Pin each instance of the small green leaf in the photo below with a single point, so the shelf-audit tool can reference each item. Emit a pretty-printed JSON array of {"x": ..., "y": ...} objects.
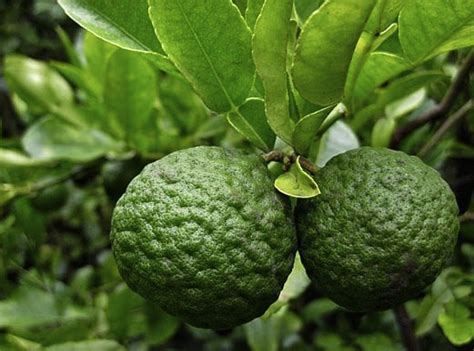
[
  {"x": 52, "y": 139},
  {"x": 456, "y": 324},
  {"x": 297, "y": 183},
  {"x": 270, "y": 45},
  {"x": 337, "y": 140},
  {"x": 325, "y": 49},
  {"x": 83, "y": 79},
  {"x": 307, "y": 127},
  {"x": 129, "y": 95},
  {"x": 220, "y": 67},
  {"x": 125, "y": 23},
  {"x": 250, "y": 120},
  {"x": 429, "y": 28},
  {"x": 42, "y": 88},
  {"x": 382, "y": 132}
]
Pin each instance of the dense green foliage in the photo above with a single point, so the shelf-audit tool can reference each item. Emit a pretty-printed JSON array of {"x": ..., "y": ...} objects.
[{"x": 86, "y": 112}]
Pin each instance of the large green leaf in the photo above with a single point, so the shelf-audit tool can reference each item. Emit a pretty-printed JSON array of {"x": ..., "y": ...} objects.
[
  {"x": 428, "y": 28},
  {"x": 307, "y": 127},
  {"x": 210, "y": 43},
  {"x": 53, "y": 139},
  {"x": 337, "y": 140},
  {"x": 270, "y": 44},
  {"x": 325, "y": 48},
  {"x": 130, "y": 93},
  {"x": 28, "y": 307},
  {"x": 97, "y": 53},
  {"x": 42, "y": 88},
  {"x": 124, "y": 23},
  {"x": 305, "y": 8},
  {"x": 379, "y": 68},
  {"x": 250, "y": 121},
  {"x": 253, "y": 11}
]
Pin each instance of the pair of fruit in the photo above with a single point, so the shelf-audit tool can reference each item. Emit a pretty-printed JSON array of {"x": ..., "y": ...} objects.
[{"x": 204, "y": 233}]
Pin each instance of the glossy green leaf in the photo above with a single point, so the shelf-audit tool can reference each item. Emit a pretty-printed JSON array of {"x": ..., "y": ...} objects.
[
  {"x": 382, "y": 132},
  {"x": 270, "y": 44},
  {"x": 307, "y": 127},
  {"x": 296, "y": 283},
  {"x": 407, "y": 104},
  {"x": 71, "y": 51},
  {"x": 254, "y": 7},
  {"x": 97, "y": 53},
  {"x": 428, "y": 28},
  {"x": 384, "y": 14},
  {"x": 11, "y": 158},
  {"x": 297, "y": 183},
  {"x": 305, "y": 8},
  {"x": 337, "y": 140},
  {"x": 129, "y": 95},
  {"x": 407, "y": 85},
  {"x": 28, "y": 307},
  {"x": 124, "y": 23},
  {"x": 432, "y": 304},
  {"x": 267, "y": 334},
  {"x": 457, "y": 324},
  {"x": 52, "y": 139},
  {"x": 89, "y": 345},
  {"x": 217, "y": 63},
  {"x": 379, "y": 69},
  {"x": 250, "y": 120},
  {"x": 81, "y": 78},
  {"x": 325, "y": 48},
  {"x": 42, "y": 88}
]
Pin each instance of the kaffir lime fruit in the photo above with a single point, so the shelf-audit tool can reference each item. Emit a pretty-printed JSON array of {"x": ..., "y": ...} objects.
[
  {"x": 51, "y": 198},
  {"x": 381, "y": 230},
  {"x": 204, "y": 234}
]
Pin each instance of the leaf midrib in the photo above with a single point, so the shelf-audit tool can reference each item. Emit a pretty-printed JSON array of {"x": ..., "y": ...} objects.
[
  {"x": 119, "y": 27},
  {"x": 206, "y": 56}
]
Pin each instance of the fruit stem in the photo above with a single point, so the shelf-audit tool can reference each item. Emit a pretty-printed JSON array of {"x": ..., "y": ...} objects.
[
  {"x": 406, "y": 328},
  {"x": 278, "y": 156}
]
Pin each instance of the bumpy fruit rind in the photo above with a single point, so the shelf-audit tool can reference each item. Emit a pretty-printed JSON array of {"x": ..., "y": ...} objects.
[
  {"x": 204, "y": 234},
  {"x": 381, "y": 231}
]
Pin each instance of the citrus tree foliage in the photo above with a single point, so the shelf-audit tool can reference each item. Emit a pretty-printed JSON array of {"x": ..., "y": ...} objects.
[{"x": 298, "y": 80}]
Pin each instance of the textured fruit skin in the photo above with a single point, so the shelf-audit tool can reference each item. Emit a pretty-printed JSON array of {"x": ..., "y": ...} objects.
[
  {"x": 381, "y": 230},
  {"x": 204, "y": 234}
]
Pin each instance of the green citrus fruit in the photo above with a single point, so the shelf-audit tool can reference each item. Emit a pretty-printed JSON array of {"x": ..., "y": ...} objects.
[
  {"x": 204, "y": 234},
  {"x": 51, "y": 198},
  {"x": 381, "y": 230}
]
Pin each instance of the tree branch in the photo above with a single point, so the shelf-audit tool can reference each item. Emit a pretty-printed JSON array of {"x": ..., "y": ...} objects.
[
  {"x": 406, "y": 328},
  {"x": 439, "y": 110},
  {"x": 448, "y": 124}
]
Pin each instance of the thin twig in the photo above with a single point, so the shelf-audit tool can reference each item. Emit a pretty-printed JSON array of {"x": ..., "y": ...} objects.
[
  {"x": 406, "y": 328},
  {"x": 447, "y": 125},
  {"x": 466, "y": 217},
  {"x": 278, "y": 156},
  {"x": 439, "y": 110}
]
